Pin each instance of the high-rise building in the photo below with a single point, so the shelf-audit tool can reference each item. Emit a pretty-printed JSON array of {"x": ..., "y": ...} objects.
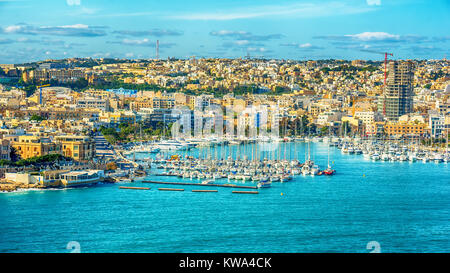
[{"x": 399, "y": 92}]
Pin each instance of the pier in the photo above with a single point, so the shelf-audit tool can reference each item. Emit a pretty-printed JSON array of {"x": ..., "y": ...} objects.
[
  {"x": 134, "y": 188},
  {"x": 198, "y": 184},
  {"x": 170, "y": 189},
  {"x": 246, "y": 192}
]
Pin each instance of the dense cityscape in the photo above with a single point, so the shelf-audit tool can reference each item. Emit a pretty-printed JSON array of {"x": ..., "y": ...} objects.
[{"x": 60, "y": 107}]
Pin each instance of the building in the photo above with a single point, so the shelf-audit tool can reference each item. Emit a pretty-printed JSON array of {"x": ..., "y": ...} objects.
[
  {"x": 329, "y": 116},
  {"x": 29, "y": 146},
  {"x": 398, "y": 94},
  {"x": 123, "y": 92},
  {"x": 53, "y": 66},
  {"x": 5, "y": 149},
  {"x": 375, "y": 129},
  {"x": 60, "y": 75},
  {"x": 203, "y": 101},
  {"x": 78, "y": 147},
  {"x": 155, "y": 115},
  {"x": 117, "y": 118},
  {"x": 437, "y": 125},
  {"x": 404, "y": 128},
  {"x": 368, "y": 117},
  {"x": 93, "y": 103},
  {"x": 141, "y": 103},
  {"x": 163, "y": 102}
]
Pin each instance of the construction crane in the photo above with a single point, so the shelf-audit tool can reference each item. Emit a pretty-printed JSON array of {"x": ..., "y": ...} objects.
[
  {"x": 385, "y": 76},
  {"x": 40, "y": 92},
  {"x": 385, "y": 65},
  {"x": 386, "y": 54}
]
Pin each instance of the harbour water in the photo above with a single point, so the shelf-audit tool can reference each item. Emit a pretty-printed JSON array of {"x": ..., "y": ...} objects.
[{"x": 403, "y": 206}]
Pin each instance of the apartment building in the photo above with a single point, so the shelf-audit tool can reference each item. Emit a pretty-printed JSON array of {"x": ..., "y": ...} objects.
[
  {"x": 79, "y": 148},
  {"x": 29, "y": 146}
]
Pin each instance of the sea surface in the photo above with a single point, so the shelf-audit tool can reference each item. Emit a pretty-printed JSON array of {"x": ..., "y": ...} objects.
[{"x": 398, "y": 206}]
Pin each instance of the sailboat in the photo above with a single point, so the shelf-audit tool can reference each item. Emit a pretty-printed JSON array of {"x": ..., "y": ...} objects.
[
  {"x": 446, "y": 157},
  {"x": 329, "y": 170}
]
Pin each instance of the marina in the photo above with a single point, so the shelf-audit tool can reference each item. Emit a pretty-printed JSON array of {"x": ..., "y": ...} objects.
[{"x": 357, "y": 200}]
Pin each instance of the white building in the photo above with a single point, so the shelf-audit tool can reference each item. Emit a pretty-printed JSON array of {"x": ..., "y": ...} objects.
[
  {"x": 368, "y": 117},
  {"x": 437, "y": 125}
]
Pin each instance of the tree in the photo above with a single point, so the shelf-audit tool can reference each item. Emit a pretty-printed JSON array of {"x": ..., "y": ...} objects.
[
  {"x": 14, "y": 155},
  {"x": 347, "y": 129},
  {"x": 35, "y": 117},
  {"x": 280, "y": 90},
  {"x": 323, "y": 130}
]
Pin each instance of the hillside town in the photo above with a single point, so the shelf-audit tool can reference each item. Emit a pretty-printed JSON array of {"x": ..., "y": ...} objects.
[{"x": 74, "y": 117}]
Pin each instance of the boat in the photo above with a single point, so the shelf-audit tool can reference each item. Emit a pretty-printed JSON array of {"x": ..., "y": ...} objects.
[
  {"x": 345, "y": 149},
  {"x": 171, "y": 145},
  {"x": 264, "y": 183},
  {"x": 438, "y": 158},
  {"x": 329, "y": 171},
  {"x": 306, "y": 169},
  {"x": 375, "y": 156},
  {"x": 314, "y": 170},
  {"x": 351, "y": 150},
  {"x": 385, "y": 157},
  {"x": 275, "y": 178}
]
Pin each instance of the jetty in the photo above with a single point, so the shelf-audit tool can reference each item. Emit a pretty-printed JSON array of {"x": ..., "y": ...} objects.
[
  {"x": 246, "y": 192},
  {"x": 170, "y": 189},
  {"x": 134, "y": 188},
  {"x": 199, "y": 184}
]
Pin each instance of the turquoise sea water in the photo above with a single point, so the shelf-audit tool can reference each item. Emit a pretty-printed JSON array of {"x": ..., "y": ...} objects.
[{"x": 403, "y": 206}]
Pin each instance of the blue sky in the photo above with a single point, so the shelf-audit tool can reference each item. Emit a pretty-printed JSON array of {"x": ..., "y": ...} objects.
[{"x": 33, "y": 30}]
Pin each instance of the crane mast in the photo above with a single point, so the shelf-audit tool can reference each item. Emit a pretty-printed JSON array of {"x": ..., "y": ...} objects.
[{"x": 385, "y": 77}]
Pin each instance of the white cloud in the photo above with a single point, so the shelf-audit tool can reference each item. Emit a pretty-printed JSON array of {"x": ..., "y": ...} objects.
[
  {"x": 12, "y": 29},
  {"x": 373, "y": 2},
  {"x": 305, "y": 45},
  {"x": 66, "y": 30},
  {"x": 73, "y": 2},
  {"x": 257, "y": 49},
  {"x": 244, "y": 35},
  {"x": 135, "y": 42},
  {"x": 76, "y": 26},
  {"x": 373, "y": 36}
]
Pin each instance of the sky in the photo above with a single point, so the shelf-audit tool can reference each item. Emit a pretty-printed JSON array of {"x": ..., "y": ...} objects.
[{"x": 33, "y": 30}]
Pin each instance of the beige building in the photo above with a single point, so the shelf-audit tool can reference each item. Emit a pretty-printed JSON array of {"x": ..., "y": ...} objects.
[
  {"x": 31, "y": 146},
  {"x": 77, "y": 147}
]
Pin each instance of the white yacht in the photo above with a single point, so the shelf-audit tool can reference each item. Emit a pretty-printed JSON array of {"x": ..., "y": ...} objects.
[
  {"x": 306, "y": 169},
  {"x": 171, "y": 145}
]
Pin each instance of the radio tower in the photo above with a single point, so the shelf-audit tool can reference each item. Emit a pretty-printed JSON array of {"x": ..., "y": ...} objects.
[{"x": 157, "y": 49}]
